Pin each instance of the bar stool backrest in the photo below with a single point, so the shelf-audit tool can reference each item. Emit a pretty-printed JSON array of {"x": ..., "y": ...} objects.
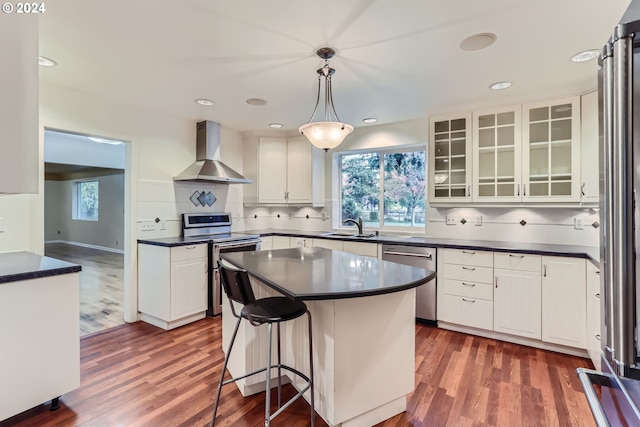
[{"x": 236, "y": 284}]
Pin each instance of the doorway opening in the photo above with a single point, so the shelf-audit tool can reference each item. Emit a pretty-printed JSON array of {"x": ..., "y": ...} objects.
[{"x": 84, "y": 211}]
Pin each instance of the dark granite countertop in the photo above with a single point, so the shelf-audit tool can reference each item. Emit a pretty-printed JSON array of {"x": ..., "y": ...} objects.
[
  {"x": 591, "y": 253},
  {"x": 322, "y": 274},
  {"x": 15, "y": 266}
]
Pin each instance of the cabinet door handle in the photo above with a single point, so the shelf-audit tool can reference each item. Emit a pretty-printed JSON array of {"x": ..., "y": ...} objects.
[
  {"x": 582, "y": 188},
  {"x": 516, "y": 256},
  {"x": 598, "y": 295},
  {"x": 469, "y": 252},
  {"x": 544, "y": 269},
  {"x": 468, "y": 300},
  {"x": 524, "y": 189},
  {"x": 598, "y": 272},
  {"x": 468, "y": 268},
  {"x": 469, "y": 284},
  {"x": 469, "y": 191},
  {"x": 598, "y": 337},
  {"x": 518, "y": 189},
  {"x": 496, "y": 282}
]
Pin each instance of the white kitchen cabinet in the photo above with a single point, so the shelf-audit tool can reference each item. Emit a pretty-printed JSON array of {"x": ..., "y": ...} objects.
[
  {"x": 465, "y": 287},
  {"x": 266, "y": 243},
  {"x": 329, "y": 244},
  {"x": 497, "y": 155},
  {"x": 172, "y": 284},
  {"x": 564, "y": 301},
  {"x": 361, "y": 248},
  {"x": 590, "y": 146},
  {"x": 40, "y": 330},
  {"x": 19, "y": 139},
  {"x": 517, "y": 294},
  {"x": 282, "y": 242},
  {"x": 284, "y": 172},
  {"x": 450, "y": 158},
  {"x": 551, "y": 151},
  {"x": 593, "y": 315}
]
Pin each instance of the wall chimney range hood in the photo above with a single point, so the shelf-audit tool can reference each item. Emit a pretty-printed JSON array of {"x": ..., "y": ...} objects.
[{"x": 208, "y": 167}]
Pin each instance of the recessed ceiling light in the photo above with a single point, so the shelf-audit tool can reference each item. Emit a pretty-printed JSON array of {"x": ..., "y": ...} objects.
[
  {"x": 203, "y": 101},
  {"x": 500, "y": 85},
  {"x": 585, "y": 55},
  {"x": 256, "y": 101},
  {"x": 370, "y": 120},
  {"x": 478, "y": 41},
  {"x": 46, "y": 62},
  {"x": 275, "y": 125}
]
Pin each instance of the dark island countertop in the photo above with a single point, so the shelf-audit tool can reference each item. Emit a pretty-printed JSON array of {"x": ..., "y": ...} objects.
[
  {"x": 323, "y": 274},
  {"x": 15, "y": 266}
]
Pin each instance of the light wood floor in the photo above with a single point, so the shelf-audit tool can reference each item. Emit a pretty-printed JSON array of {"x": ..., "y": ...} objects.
[
  {"x": 140, "y": 375},
  {"x": 101, "y": 285}
]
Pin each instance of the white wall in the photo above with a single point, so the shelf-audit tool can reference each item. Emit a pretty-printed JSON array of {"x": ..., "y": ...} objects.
[{"x": 106, "y": 232}]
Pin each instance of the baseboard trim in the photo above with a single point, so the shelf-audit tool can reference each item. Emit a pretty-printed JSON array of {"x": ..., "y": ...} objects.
[{"x": 86, "y": 245}]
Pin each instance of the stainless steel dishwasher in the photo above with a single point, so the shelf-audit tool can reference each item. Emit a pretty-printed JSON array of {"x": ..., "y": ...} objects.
[{"x": 417, "y": 257}]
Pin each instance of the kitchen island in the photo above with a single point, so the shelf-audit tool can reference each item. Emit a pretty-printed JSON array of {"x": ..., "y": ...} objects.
[{"x": 363, "y": 312}]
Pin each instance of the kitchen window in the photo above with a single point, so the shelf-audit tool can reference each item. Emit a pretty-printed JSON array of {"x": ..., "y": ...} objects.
[
  {"x": 85, "y": 201},
  {"x": 384, "y": 187}
]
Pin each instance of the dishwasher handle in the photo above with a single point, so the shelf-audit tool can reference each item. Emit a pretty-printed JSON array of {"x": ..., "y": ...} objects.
[{"x": 417, "y": 255}]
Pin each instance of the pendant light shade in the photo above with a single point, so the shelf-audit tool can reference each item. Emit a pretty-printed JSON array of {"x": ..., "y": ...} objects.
[{"x": 326, "y": 134}]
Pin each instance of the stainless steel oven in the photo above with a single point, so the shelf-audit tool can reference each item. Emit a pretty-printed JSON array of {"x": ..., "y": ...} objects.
[{"x": 215, "y": 227}]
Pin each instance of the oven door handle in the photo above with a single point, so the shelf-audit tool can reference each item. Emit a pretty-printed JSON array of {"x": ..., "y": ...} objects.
[{"x": 237, "y": 244}]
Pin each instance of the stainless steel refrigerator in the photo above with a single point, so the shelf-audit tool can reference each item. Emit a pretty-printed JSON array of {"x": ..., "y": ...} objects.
[{"x": 614, "y": 393}]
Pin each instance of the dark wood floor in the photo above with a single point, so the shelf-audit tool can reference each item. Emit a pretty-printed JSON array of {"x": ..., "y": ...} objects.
[
  {"x": 140, "y": 375},
  {"x": 101, "y": 285}
]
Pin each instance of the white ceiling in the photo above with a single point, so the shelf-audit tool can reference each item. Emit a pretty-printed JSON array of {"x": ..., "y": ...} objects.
[{"x": 396, "y": 59}]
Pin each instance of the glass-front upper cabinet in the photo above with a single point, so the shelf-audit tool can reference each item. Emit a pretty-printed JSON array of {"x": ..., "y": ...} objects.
[
  {"x": 496, "y": 155},
  {"x": 551, "y": 158},
  {"x": 450, "y": 158}
]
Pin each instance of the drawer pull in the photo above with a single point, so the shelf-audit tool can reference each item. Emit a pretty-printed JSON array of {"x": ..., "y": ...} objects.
[
  {"x": 469, "y": 252},
  {"x": 468, "y": 300},
  {"x": 598, "y": 295},
  {"x": 598, "y": 337},
  {"x": 468, "y": 268},
  {"x": 516, "y": 256},
  {"x": 496, "y": 282},
  {"x": 190, "y": 247},
  {"x": 468, "y": 284},
  {"x": 598, "y": 272}
]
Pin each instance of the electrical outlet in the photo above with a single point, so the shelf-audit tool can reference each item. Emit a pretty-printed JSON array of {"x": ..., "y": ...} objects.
[
  {"x": 162, "y": 225},
  {"x": 577, "y": 223},
  {"x": 478, "y": 220},
  {"x": 147, "y": 226},
  {"x": 451, "y": 220}
]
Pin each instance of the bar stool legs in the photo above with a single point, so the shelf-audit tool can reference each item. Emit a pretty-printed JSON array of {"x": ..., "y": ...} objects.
[{"x": 268, "y": 416}]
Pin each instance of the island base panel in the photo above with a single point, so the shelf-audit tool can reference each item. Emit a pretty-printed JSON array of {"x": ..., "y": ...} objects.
[{"x": 364, "y": 354}]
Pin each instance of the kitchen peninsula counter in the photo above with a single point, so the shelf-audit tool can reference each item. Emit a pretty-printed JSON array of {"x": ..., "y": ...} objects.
[
  {"x": 363, "y": 312},
  {"x": 21, "y": 265}
]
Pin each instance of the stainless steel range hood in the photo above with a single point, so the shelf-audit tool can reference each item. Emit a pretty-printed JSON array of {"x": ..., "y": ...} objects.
[{"x": 208, "y": 167}]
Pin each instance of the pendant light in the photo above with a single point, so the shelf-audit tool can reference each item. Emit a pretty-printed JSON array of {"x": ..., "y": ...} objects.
[{"x": 327, "y": 134}]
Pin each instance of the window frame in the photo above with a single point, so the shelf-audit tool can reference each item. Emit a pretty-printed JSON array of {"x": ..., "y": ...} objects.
[
  {"x": 337, "y": 187},
  {"x": 75, "y": 200}
]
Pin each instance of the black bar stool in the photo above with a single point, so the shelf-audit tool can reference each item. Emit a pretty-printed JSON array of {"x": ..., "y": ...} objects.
[{"x": 270, "y": 310}]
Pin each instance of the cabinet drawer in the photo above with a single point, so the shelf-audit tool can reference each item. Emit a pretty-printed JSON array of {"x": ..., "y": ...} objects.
[
  {"x": 468, "y": 273},
  {"x": 468, "y": 289},
  {"x": 183, "y": 253},
  {"x": 522, "y": 262},
  {"x": 468, "y": 257},
  {"x": 473, "y": 312}
]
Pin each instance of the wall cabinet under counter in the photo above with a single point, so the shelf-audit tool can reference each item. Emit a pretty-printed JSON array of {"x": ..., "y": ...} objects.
[
  {"x": 172, "y": 284},
  {"x": 285, "y": 171},
  {"x": 524, "y": 298}
]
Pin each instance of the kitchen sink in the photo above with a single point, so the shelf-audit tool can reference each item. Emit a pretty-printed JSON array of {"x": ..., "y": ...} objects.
[{"x": 342, "y": 234}]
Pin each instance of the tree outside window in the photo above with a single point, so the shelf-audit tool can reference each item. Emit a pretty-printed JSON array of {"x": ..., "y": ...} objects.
[
  {"x": 87, "y": 200},
  {"x": 396, "y": 200}
]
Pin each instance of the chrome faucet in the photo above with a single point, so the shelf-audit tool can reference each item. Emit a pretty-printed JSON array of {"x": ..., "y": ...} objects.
[{"x": 358, "y": 223}]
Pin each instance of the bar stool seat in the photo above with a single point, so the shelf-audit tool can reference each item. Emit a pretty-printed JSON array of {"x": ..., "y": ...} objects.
[{"x": 269, "y": 311}]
